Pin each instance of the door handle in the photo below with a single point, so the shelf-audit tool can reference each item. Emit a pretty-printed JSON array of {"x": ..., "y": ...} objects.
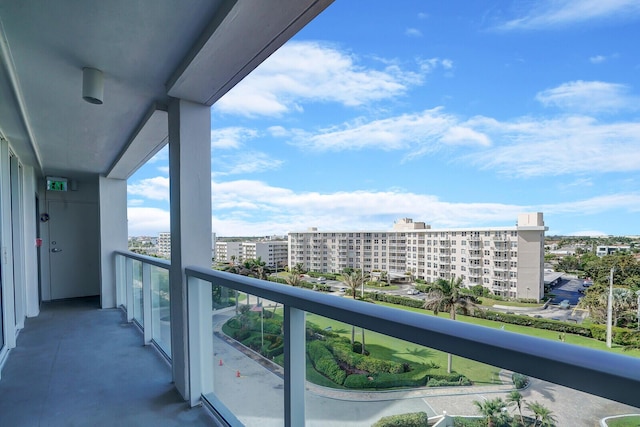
[{"x": 56, "y": 250}]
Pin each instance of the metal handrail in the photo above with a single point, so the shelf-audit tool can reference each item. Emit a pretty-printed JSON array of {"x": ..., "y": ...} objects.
[{"x": 601, "y": 373}]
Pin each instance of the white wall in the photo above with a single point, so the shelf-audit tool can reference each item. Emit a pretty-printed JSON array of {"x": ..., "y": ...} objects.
[{"x": 113, "y": 234}]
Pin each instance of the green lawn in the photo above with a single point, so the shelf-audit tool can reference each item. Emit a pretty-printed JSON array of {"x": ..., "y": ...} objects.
[
  {"x": 389, "y": 348},
  {"x": 631, "y": 421},
  {"x": 527, "y": 330}
]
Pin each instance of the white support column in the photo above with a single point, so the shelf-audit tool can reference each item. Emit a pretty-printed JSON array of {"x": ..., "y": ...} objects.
[
  {"x": 30, "y": 249},
  {"x": 113, "y": 234},
  {"x": 190, "y": 193},
  {"x": 200, "y": 339},
  {"x": 6, "y": 249},
  {"x": 294, "y": 366},
  {"x": 146, "y": 303},
  {"x": 128, "y": 283}
]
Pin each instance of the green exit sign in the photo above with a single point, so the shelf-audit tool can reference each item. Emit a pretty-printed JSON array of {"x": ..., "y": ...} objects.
[{"x": 56, "y": 183}]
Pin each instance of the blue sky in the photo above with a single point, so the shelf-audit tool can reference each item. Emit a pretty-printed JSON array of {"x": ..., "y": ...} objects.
[{"x": 455, "y": 113}]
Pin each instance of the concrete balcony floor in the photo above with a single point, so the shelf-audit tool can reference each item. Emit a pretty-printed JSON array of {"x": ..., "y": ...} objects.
[{"x": 78, "y": 365}]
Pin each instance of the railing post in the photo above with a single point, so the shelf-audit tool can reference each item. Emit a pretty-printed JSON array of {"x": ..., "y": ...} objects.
[
  {"x": 294, "y": 366},
  {"x": 128, "y": 283},
  {"x": 200, "y": 342},
  {"x": 121, "y": 298},
  {"x": 146, "y": 303}
]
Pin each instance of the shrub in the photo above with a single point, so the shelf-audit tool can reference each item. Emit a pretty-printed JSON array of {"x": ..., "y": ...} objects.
[
  {"x": 384, "y": 380},
  {"x": 453, "y": 379},
  {"x": 241, "y": 334},
  {"x": 323, "y": 362},
  {"x": 234, "y": 323},
  {"x": 519, "y": 380},
  {"x": 329, "y": 368},
  {"x": 414, "y": 419}
]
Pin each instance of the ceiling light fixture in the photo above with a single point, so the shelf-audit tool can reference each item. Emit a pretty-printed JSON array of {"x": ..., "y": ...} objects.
[{"x": 92, "y": 85}]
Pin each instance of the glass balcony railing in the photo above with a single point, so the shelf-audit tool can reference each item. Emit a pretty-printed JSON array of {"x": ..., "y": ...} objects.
[
  {"x": 265, "y": 354},
  {"x": 142, "y": 288}
]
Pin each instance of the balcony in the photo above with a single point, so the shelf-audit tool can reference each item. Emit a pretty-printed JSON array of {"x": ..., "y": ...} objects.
[
  {"x": 165, "y": 358},
  {"x": 215, "y": 379},
  {"x": 77, "y": 365}
]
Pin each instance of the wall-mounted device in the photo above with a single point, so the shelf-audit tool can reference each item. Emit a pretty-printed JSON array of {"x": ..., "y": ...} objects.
[{"x": 55, "y": 183}]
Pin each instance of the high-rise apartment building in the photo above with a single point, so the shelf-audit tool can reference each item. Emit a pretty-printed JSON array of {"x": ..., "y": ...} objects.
[
  {"x": 164, "y": 244},
  {"x": 273, "y": 252},
  {"x": 509, "y": 261}
]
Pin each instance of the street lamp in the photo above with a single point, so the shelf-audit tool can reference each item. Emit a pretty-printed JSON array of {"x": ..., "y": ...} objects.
[{"x": 610, "y": 307}]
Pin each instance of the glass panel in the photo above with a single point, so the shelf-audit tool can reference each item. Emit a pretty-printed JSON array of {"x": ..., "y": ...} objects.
[
  {"x": 248, "y": 357},
  {"x": 384, "y": 378},
  {"x": 160, "y": 313},
  {"x": 396, "y": 377},
  {"x": 137, "y": 292}
]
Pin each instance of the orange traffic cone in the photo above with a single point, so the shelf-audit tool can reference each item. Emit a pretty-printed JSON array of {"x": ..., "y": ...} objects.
[
  {"x": 220, "y": 364},
  {"x": 238, "y": 374}
]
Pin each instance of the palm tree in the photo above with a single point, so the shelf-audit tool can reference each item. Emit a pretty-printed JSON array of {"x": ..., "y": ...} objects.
[
  {"x": 293, "y": 279},
  {"x": 490, "y": 408},
  {"x": 515, "y": 399},
  {"x": 354, "y": 280},
  {"x": 448, "y": 296},
  {"x": 541, "y": 413}
]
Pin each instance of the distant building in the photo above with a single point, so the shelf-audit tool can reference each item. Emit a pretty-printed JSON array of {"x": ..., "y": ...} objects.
[
  {"x": 273, "y": 252},
  {"x": 506, "y": 260},
  {"x": 608, "y": 250},
  {"x": 164, "y": 244}
]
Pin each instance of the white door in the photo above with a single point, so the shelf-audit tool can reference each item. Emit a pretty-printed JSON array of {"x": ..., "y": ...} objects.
[{"x": 73, "y": 249}]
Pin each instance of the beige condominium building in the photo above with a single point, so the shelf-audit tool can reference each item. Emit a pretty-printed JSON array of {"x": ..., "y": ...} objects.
[
  {"x": 273, "y": 252},
  {"x": 509, "y": 260}
]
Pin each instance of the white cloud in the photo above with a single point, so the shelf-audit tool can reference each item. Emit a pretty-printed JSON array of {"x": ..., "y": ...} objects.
[
  {"x": 160, "y": 156},
  {"x": 147, "y": 221},
  {"x": 429, "y": 64},
  {"x": 588, "y": 96},
  {"x": 588, "y": 233},
  {"x": 244, "y": 162},
  {"x": 459, "y": 135},
  {"x": 156, "y": 188},
  {"x": 250, "y": 207},
  {"x": 557, "y": 13},
  {"x": 313, "y": 71},
  {"x": 231, "y": 137},
  {"x": 135, "y": 202},
  {"x": 277, "y": 210},
  {"x": 413, "y": 32},
  {"x": 598, "y": 59},
  {"x": 573, "y": 144},
  {"x": 419, "y": 133}
]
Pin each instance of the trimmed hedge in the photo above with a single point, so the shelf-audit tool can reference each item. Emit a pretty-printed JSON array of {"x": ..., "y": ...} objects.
[
  {"x": 440, "y": 380},
  {"x": 343, "y": 353},
  {"x": 395, "y": 299},
  {"x": 323, "y": 362},
  {"x": 415, "y": 378},
  {"x": 414, "y": 419}
]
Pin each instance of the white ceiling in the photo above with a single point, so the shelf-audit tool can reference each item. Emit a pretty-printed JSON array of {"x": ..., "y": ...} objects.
[{"x": 148, "y": 50}]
